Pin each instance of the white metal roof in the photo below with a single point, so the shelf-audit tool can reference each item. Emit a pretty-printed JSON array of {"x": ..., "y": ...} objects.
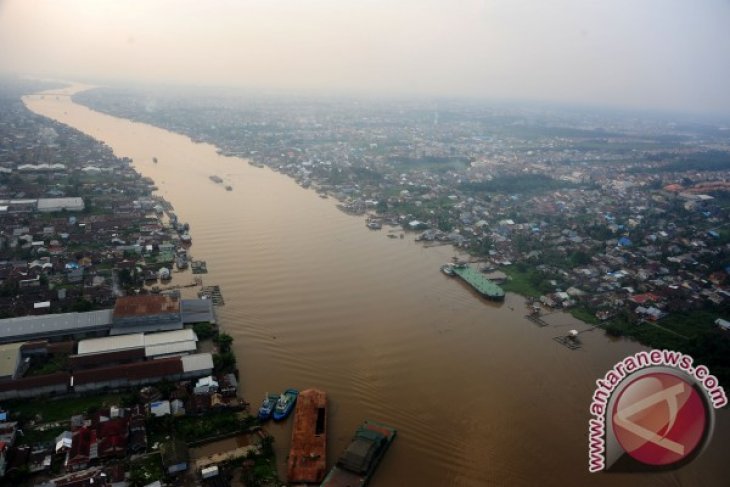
[
  {"x": 110, "y": 344},
  {"x": 154, "y": 343},
  {"x": 186, "y": 334},
  {"x": 197, "y": 362},
  {"x": 170, "y": 348}
]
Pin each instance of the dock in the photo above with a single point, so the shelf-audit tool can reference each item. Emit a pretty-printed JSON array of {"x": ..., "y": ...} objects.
[
  {"x": 199, "y": 267},
  {"x": 537, "y": 320},
  {"x": 213, "y": 293},
  {"x": 568, "y": 341}
]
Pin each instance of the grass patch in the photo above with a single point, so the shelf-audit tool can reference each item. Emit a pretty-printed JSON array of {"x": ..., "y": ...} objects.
[
  {"x": 61, "y": 409},
  {"x": 146, "y": 470},
  {"x": 524, "y": 282},
  {"x": 194, "y": 428},
  {"x": 584, "y": 314}
]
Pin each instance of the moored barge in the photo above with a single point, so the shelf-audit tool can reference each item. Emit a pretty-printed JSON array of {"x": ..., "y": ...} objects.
[
  {"x": 477, "y": 281},
  {"x": 357, "y": 464},
  {"x": 308, "y": 454}
]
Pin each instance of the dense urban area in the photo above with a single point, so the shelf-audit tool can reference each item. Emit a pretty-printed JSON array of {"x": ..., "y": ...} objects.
[
  {"x": 622, "y": 219},
  {"x": 144, "y": 382}
]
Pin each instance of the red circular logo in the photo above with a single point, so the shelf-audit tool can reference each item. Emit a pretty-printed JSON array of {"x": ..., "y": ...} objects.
[{"x": 659, "y": 418}]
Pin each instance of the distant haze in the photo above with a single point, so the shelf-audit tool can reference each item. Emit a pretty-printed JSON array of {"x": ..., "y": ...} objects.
[{"x": 659, "y": 54}]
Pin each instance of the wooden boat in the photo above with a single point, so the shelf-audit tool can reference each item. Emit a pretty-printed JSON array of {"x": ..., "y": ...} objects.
[
  {"x": 267, "y": 407},
  {"x": 357, "y": 464},
  {"x": 308, "y": 454},
  {"x": 285, "y": 404}
]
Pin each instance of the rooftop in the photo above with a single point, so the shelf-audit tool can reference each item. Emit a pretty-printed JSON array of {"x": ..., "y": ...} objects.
[
  {"x": 24, "y": 327},
  {"x": 128, "y": 306}
]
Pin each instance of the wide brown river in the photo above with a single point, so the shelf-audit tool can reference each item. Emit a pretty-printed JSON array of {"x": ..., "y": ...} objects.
[{"x": 480, "y": 396}]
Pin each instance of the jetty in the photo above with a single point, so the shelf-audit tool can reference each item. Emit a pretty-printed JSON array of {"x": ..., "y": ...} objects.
[
  {"x": 213, "y": 293},
  {"x": 199, "y": 267}
]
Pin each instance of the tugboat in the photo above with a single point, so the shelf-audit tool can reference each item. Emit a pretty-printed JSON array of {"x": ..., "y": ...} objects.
[
  {"x": 285, "y": 404},
  {"x": 267, "y": 406},
  {"x": 357, "y": 464}
]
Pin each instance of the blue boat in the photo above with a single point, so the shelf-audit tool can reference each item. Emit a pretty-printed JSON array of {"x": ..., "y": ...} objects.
[
  {"x": 267, "y": 407},
  {"x": 285, "y": 404}
]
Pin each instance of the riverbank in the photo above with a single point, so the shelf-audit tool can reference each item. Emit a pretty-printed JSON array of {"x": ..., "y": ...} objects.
[{"x": 313, "y": 298}]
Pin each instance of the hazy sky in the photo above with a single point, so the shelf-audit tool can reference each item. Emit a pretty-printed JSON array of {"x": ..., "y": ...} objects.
[{"x": 668, "y": 54}]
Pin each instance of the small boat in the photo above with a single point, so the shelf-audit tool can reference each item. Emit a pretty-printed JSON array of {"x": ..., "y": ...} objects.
[
  {"x": 285, "y": 404},
  {"x": 307, "y": 462},
  {"x": 448, "y": 269},
  {"x": 357, "y": 464},
  {"x": 215, "y": 179},
  {"x": 229, "y": 188},
  {"x": 267, "y": 406},
  {"x": 186, "y": 238},
  {"x": 154, "y": 159}
]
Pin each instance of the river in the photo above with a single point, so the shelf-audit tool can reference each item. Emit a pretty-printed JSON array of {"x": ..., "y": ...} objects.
[{"x": 480, "y": 396}]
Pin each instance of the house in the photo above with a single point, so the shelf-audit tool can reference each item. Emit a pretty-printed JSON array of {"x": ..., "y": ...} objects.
[
  {"x": 723, "y": 324},
  {"x": 175, "y": 456}
]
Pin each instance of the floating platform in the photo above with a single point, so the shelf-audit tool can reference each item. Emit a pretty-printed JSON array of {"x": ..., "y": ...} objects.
[
  {"x": 213, "y": 293},
  {"x": 537, "y": 320},
  {"x": 568, "y": 341},
  {"x": 479, "y": 282},
  {"x": 199, "y": 267}
]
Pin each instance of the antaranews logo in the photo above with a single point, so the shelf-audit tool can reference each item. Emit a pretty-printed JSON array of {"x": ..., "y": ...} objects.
[{"x": 653, "y": 410}]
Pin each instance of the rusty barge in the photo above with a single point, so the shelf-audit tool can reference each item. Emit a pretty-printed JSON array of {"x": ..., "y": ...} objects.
[{"x": 307, "y": 462}]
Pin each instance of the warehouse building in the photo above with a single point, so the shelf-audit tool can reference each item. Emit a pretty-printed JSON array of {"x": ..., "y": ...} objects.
[
  {"x": 153, "y": 344},
  {"x": 62, "y": 326},
  {"x": 144, "y": 314},
  {"x": 49, "y": 205},
  {"x": 141, "y": 373}
]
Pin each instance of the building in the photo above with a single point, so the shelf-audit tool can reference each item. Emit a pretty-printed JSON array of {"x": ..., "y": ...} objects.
[
  {"x": 10, "y": 360},
  {"x": 49, "y": 205},
  {"x": 142, "y": 373},
  {"x": 154, "y": 344},
  {"x": 62, "y": 326},
  {"x": 149, "y": 313}
]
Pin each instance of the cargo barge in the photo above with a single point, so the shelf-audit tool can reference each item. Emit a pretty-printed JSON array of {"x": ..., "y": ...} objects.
[
  {"x": 307, "y": 463},
  {"x": 357, "y": 464},
  {"x": 476, "y": 280}
]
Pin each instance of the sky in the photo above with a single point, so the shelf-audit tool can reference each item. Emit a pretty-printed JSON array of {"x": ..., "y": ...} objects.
[{"x": 655, "y": 54}]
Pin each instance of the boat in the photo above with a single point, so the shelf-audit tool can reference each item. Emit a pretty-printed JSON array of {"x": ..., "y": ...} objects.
[
  {"x": 267, "y": 406},
  {"x": 285, "y": 404},
  {"x": 307, "y": 461},
  {"x": 216, "y": 179},
  {"x": 154, "y": 159},
  {"x": 357, "y": 464},
  {"x": 186, "y": 238},
  {"x": 478, "y": 282},
  {"x": 229, "y": 188}
]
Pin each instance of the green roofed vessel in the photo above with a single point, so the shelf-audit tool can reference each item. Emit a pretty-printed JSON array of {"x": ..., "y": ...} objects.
[
  {"x": 358, "y": 463},
  {"x": 476, "y": 280}
]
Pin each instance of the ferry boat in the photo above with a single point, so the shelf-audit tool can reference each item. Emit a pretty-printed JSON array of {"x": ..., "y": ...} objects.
[
  {"x": 357, "y": 464},
  {"x": 307, "y": 461},
  {"x": 267, "y": 407},
  {"x": 285, "y": 404}
]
